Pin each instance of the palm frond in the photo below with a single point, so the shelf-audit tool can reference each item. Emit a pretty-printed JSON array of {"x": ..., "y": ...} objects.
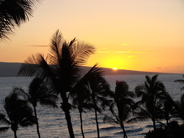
[
  {"x": 48, "y": 102},
  {"x": 55, "y": 52},
  {"x": 180, "y": 81},
  {"x": 82, "y": 51},
  {"x": 110, "y": 120},
  {"x": 13, "y": 13},
  {"x": 136, "y": 119},
  {"x": 154, "y": 78},
  {"x": 4, "y": 129},
  {"x": 35, "y": 66},
  {"x": 3, "y": 119}
]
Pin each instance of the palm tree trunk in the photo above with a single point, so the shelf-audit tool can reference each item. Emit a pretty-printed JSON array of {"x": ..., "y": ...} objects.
[
  {"x": 154, "y": 124},
  {"x": 96, "y": 118},
  {"x": 37, "y": 126},
  {"x": 15, "y": 134},
  {"x": 69, "y": 123},
  {"x": 66, "y": 108},
  {"x": 124, "y": 132},
  {"x": 167, "y": 122},
  {"x": 81, "y": 124}
]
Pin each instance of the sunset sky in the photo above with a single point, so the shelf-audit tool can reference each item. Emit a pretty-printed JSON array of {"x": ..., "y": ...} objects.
[{"x": 143, "y": 35}]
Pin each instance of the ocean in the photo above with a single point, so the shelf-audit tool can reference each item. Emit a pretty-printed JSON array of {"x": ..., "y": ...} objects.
[{"x": 52, "y": 121}]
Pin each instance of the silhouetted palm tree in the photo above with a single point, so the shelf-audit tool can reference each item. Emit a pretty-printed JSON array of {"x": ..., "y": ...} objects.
[
  {"x": 180, "y": 81},
  {"x": 152, "y": 94},
  {"x": 124, "y": 105},
  {"x": 169, "y": 108},
  {"x": 82, "y": 102},
  {"x": 179, "y": 106},
  {"x": 81, "y": 95},
  {"x": 60, "y": 69},
  {"x": 19, "y": 112},
  {"x": 99, "y": 91},
  {"x": 39, "y": 92}
]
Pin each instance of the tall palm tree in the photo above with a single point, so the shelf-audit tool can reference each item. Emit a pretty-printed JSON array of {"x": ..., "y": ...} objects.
[
  {"x": 13, "y": 13},
  {"x": 82, "y": 102},
  {"x": 60, "y": 69},
  {"x": 124, "y": 105},
  {"x": 81, "y": 95},
  {"x": 99, "y": 91},
  {"x": 39, "y": 92},
  {"x": 152, "y": 94},
  {"x": 19, "y": 112}
]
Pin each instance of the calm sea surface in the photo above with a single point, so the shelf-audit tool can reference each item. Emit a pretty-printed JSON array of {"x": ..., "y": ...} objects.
[{"x": 52, "y": 121}]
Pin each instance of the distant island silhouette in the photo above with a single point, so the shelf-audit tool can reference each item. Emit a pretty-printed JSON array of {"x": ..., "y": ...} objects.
[{"x": 8, "y": 69}]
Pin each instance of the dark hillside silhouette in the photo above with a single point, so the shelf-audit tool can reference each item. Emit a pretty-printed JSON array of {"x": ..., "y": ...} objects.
[{"x": 11, "y": 70}]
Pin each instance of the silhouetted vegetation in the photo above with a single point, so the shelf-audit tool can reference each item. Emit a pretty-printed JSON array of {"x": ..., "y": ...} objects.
[
  {"x": 18, "y": 111},
  {"x": 81, "y": 93},
  {"x": 123, "y": 99},
  {"x": 38, "y": 92},
  {"x": 173, "y": 130},
  {"x": 152, "y": 95},
  {"x": 99, "y": 91},
  {"x": 60, "y": 69},
  {"x": 13, "y": 13}
]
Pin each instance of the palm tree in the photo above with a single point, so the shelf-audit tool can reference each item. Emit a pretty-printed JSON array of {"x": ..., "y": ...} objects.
[
  {"x": 169, "y": 108},
  {"x": 13, "y": 13},
  {"x": 99, "y": 91},
  {"x": 179, "y": 106},
  {"x": 180, "y": 81},
  {"x": 124, "y": 105},
  {"x": 152, "y": 94},
  {"x": 19, "y": 112},
  {"x": 39, "y": 92},
  {"x": 81, "y": 101},
  {"x": 60, "y": 69},
  {"x": 81, "y": 94}
]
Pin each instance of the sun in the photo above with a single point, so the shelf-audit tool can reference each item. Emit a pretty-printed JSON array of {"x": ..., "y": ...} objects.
[{"x": 114, "y": 68}]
